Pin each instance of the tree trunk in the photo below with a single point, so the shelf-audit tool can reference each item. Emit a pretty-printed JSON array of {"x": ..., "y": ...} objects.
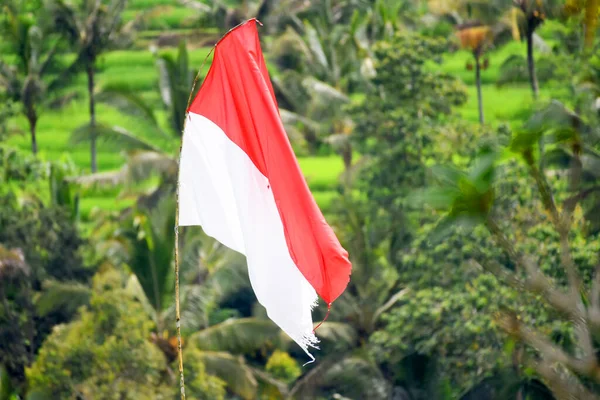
[
  {"x": 478, "y": 84},
  {"x": 32, "y": 129},
  {"x": 531, "y": 65},
  {"x": 347, "y": 158},
  {"x": 91, "y": 85}
]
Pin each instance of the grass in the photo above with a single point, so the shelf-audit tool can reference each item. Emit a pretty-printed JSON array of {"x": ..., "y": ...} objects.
[
  {"x": 165, "y": 17},
  {"x": 508, "y": 104}
]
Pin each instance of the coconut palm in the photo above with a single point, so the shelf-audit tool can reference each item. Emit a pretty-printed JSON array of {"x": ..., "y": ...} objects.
[
  {"x": 313, "y": 96},
  {"x": 323, "y": 62},
  {"x": 27, "y": 80},
  {"x": 476, "y": 38},
  {"x": 590, "y": 11},
  {"x": 480, "y": 25},
  {"x": 521, "y": 17},
  {"x": 91, "y": 27},
  {"x": 325, "y": 59},
  {"x": 226, "y": 14},
  {"x": 373, "y": 289},
  {"x": 211, "y": 274},
  {"x": 532, "y": 15},
  {"x": 144, "y": 157}
]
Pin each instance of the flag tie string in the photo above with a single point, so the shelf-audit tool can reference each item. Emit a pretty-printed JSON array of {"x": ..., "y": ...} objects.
[{"x": 324, "y": 319}]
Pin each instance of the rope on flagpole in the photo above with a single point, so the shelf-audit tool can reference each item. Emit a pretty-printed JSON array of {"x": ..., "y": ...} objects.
[{"x": 177, "y": 304}]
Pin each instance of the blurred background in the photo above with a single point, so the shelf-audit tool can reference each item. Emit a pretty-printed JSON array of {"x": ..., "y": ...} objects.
[{"x": 453, "y": 145}]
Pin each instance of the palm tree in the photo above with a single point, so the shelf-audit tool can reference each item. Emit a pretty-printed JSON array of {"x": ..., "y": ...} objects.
[
  {"x": 590, "y": 13},
  {"x": 476, "y": 38},
  {"x": 325, "y": 59},
  {"x": 227, "y": 14},
  {"x": 35, "y": 49},
  {"x": 211, "y": 274},
  {"x": 323, "y": 62},
  {"x": 532, "y": 16},
  {"x": 373, "y": 289},
  {"x": 312, "y": 97},
  {"x": 144, "y": 157},
  {"x": 92, "y": 27},
  {"x": 224, "y": 15},
  {"x": 521, "y": 17}
]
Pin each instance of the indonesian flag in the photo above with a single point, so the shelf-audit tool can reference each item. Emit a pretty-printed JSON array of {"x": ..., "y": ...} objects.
[{"x": 240, "y": 181}]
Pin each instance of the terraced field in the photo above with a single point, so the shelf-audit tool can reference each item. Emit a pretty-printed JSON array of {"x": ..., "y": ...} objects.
[{"x": 135, "y": 69}]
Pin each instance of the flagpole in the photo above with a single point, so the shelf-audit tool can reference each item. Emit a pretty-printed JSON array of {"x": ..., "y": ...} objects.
[{"x": 177, "y": 303}]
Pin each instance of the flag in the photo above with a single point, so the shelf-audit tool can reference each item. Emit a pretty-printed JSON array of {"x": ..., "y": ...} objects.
[{"x": 239, "y": 179}]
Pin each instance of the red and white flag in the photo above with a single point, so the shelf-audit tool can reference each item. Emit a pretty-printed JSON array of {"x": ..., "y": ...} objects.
[{"x": 240, "y": 181}]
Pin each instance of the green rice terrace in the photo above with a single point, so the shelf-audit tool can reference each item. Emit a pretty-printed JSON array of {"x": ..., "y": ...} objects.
[{"x": 136, "y": 70}]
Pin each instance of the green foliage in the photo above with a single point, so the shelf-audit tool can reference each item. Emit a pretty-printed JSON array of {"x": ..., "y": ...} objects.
[
  {"x": 283, "y": 367},
  {"x": 26, "y": 81},
  {"x": 396, "y": 122},
  {"x": 6, "y": 113},
  {"x": 198, "y": 384},
  {"x": 514, "y": 70},
  {"x": 16, "y": 166},
  {"x": 450, "y": 304},
  {"x": 542, "y": 243},
  {"x": 50, "y": 249},
  {"x": 16, "y": 314},
  {"x": 151, "y": 248},
  {"x": 47, "y": 236},
  {"x": 104, "y": 354},
  {"x": 419, "y": 319}
]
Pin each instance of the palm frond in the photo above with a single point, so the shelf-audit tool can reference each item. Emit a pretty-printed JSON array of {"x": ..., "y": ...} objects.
[
  {"x": 151, "y": 253},
  {"x": 166, "y": 68},
  {"x": 316, "y": 46},
  {"x": 351, "y": 375},
  {"x": 323, "y": 90},
  {"x": 390, "y": 303},
  {"x": 140, "y": 166},
  {"x": 338, "y": 140},
  {"x": 143, "y": 164},
  {"x": 292, "y": 118},
  {"x": 242, "y": 335},
  {"x": 67, "y": 75},
  {"x": 195, "y": 5},
  {"x": 338, "y": 332},
  {"x": 115, "y": 134},
  {"x": 137, "y": 291},
  {"x": 312, "y": 381},
  {"x": 57, "y": 102},
  {"x": 175, "y": 82},
  {"x": 206, "y": 261},
  {"x": 64, "y": 296},
  {"x": 197, "y": 302},
  {"x": 130, "y": 103},
  {"x": 513, "y": 69},
  {"x": 107, "y": 178},
  {"x": 233, "y": 370},
  {"x": 268, "y": 380},
  {"x": 357, "y": 376}
]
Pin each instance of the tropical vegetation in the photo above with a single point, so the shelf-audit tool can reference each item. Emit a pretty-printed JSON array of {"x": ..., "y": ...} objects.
[{"x": 453, "y": 145}]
